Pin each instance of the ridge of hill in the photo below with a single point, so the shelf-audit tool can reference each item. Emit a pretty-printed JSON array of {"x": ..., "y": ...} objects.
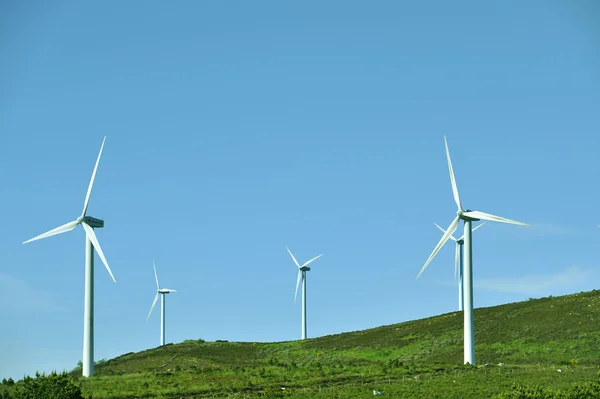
[
  {"x": 550, "y": 330},
  {"x": 552, "y": 342}
]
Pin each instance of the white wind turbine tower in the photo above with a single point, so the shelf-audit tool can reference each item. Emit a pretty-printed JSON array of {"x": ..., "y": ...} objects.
[
  {"x": 468, "y": 217},
  {"x": 302, "y": 276},
  {"x": 89, "y": 224},
  {"x": 163, "y": 292},
  {"x": 458, "y": 264}
]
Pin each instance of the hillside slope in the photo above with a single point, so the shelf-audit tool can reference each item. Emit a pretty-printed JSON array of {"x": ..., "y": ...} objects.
[{"x": 545, "y": 333}]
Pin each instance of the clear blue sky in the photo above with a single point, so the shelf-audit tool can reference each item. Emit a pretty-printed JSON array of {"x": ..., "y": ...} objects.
[{"x": 236, "y": 128}]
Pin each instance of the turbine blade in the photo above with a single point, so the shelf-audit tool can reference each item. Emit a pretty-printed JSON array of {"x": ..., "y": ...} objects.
[
  {"x": 155, "y": 275},
  {"x": 89, "y": 191},
  {"x": 297, "y": 284},
  {"x": 59, "y": 230},
  {"x": 440, "y": 244},
  {"x": 169, "y": 290},
  {"x": 152, "y": 307},
  {"x": 478, "y": 226},
  {"x": 313, "y": 259},
  {"x": 92, "y": 237},
  {"x": 492, "y": 218},
  {"x": 452, "y": 179},
  {"x": 443, "y": 231},
  {"x": 456, "y": 260},
  {"x": 295, "y": 261}
]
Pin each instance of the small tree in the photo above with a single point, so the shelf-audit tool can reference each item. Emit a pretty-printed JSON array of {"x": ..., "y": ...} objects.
[
  {"x": 78, "y": 367},
  {"x": 51, "y": 386}
]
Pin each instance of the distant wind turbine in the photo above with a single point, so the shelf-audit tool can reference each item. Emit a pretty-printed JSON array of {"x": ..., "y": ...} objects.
[
  {"x": 302, "y": 276},
  {"x": 162, "y": 292},
  {"x": 458, "y": 264},
  {"x": 89, "y": 224},
  {"x": 468, "y": 217}
]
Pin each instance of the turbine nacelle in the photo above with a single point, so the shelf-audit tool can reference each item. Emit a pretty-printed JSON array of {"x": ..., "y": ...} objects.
[
  {"x": 92, "y": 222},
  {"x": 462, "y": 215},
  {"x": 304, "y": 268}
]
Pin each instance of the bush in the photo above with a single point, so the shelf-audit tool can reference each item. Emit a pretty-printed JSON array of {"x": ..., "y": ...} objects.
[
  {"x": 51, "y": 386},
  {"x": 585, "y": 390},
  {"x": 78, "y": 367},
  {"x": 526, "y": 392}
]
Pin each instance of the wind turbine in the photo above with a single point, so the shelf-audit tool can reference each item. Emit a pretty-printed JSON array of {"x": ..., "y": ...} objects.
[
  {"x": 467, "y": 217},
  {"x": 458, "y": 264},
  {"x": 89, "y": 224},
  {"x": 302, "y": 276},
  {"x": 163, "y": 292}
]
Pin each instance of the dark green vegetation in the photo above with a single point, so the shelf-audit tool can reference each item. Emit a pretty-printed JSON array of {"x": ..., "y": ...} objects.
[
  {"x": 51, "y": 386},
  {"x": 418, "y": 359}
]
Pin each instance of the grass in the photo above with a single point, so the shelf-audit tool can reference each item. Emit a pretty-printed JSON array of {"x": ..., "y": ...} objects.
[{"x": 417, "y": 359}]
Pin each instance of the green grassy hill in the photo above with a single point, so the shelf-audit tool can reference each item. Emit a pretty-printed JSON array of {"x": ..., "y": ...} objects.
[{"x": 421, "y": 359}]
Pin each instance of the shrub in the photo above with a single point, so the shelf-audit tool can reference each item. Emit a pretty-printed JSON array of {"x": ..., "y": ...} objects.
[
  {"x": 526, "y": 392},
  {"x": 51, "y": 386},
  {"x": 100, "y": 362},
  {"x": 585, "y": 390},
  {"x": 78, "y": 367}
]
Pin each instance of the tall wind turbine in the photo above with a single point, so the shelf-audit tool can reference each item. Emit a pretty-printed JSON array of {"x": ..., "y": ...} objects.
[
  {"x": 458, "y": 264},
  {"x": 467, "y": 217},
  {"x": 89, "y": 224},
  {"x": 162, "y": 292},
  {"x": 302, "y": 276}
]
